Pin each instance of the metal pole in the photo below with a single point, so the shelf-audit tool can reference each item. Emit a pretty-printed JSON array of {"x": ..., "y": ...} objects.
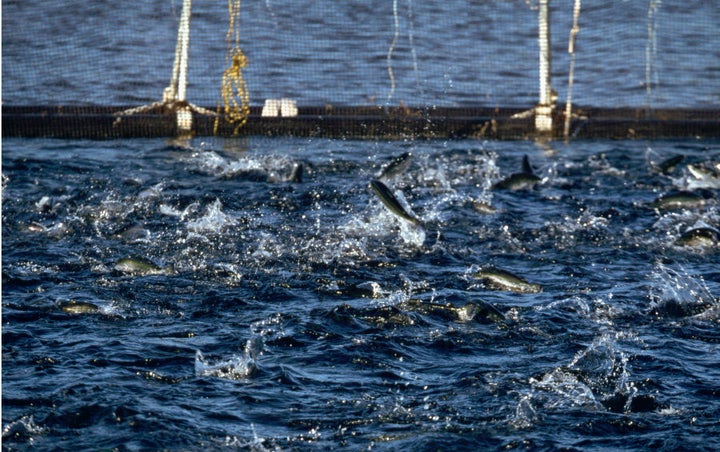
[{"x": 543, "y": 111}]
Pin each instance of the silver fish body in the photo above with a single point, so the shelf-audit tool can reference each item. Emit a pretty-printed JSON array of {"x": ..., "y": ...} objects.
[
  {"x": 78, "y": 307},
  {"x": 498, "y": 279},
  {"x": 524, "y": 180},
  {"x": 138, "y": 265},
  {"x": 398, "y": 165},
  {"x": 679, "y": 200},
  {"x": 702, "y": 237},
  {"x": 391, "y": 202}
]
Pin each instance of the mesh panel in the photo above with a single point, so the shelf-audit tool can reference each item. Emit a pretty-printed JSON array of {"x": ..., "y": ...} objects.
[{"x": 453, "y": 53}]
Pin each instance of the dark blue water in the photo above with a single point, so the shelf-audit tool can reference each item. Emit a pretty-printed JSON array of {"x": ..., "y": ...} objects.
[
  {"x": 305, "y": 315},
  {"x": 454, "y": 52}
]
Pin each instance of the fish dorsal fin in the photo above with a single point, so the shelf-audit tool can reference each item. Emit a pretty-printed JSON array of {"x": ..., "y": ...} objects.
[
  {"x": 526, "y": 168},
  {"x": 297, "y": 173}
]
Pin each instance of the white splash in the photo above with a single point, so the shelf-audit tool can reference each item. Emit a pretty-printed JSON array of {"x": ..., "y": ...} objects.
[
  {"x": 237, "y": 367},
  {"x": 561, "y": 389},
  {"x": 214, "y": 220},
  {"x": 411, "y": 234},
  {"x": 170, "y": 211},
  {"x": 25, "y": 426},
  {"x": 679, "y": 290},
  {"x": 595, "y": 375}
]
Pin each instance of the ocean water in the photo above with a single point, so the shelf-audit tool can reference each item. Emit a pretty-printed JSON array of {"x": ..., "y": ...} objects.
[
  {"x": 449, "y": 53},
  {"x": 271, "y": 312},
  {"x": 257, "y": 294}
]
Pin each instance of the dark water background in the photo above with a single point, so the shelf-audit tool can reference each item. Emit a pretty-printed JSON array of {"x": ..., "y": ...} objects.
[{"x": 304, "y": 315}]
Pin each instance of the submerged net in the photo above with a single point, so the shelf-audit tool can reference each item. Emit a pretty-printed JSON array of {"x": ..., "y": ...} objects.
[{"x": 391, "y": 54}]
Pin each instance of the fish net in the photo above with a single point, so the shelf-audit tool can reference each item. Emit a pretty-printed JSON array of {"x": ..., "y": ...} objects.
[{"x": 371, "y": 67}]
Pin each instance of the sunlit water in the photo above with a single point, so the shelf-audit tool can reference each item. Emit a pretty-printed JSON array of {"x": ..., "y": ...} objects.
[
  {"x": 277, "y": 314},
  {"x": 285, "y": 314}
]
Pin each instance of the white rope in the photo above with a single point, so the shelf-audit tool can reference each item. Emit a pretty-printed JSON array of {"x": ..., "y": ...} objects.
[
  {"x": 544, "y": 43},
  {"x": 544, "y": 109},
  {"x": 271, "y": 10},
  {"x": 390, "y": 51},
  {"x": 178, "y": 81},
  {"x": 184, "y": 43},
  {"x": 175, "y": 94},
  {"x": 651, "y": 49},
  {"x": 411, "y": 41},
  {"x": 571, "y": 74}
]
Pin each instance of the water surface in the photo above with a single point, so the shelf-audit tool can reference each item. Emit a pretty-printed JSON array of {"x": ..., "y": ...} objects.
[
  {"x": 450, "y": 53},
  {"x": 305, "y": 315}
]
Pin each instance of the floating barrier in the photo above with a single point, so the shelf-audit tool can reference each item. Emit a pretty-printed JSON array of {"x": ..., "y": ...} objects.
[
  {"x": 105, "y": 122},
  {"x": 175, "y": 116}
]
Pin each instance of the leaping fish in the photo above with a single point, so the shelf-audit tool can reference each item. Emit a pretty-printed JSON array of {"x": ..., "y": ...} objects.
[
  {"x": 138, "y": 265},
  {"x": 524, "y": 180},
  {"x": 392, "y": 203},
  {"x": 479, "y": 310},
  {"x": 701, "y": 237},
  {"x": 398, "y": 165},
  {"x": 679, "y": 200},
  {"x": 705, "y": 175},
  {"x": 667, "y": 166},
  {"x": 498, "y": 279},
  {"x": 78, "y": 307}
]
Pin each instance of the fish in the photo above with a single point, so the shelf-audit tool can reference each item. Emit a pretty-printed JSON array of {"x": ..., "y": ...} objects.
[
  {"x": 267, "y": 175},
  {"x": 36, "y": 227},
  {"x": 138, "y": 265},
  {"x": 524, "y": 180},
  {"x": 131, "y": 232},
  {"x": 497, "y": 279},
  {"x": 483, "y": 207},
  {"x": 699, "y": 237},
  {"x": 46, "y": 204},
  {"x": 396, "y": 166},
  {"x": 629, "y": 403},
  {"x": 705, "y": 175},
  {"x": 296, "y": 175},
  {"x": 667, "y": 166},
  {"x": 678, "y": 200},
  {"x": 482, "y": 310},
  {"x": 679, "y": 309},
  {"x": 392, "y": 203},
  {"x": 478, "y": 310},
  {"x": 704, "y": 171},
  {"x": 78, "y": 307}
]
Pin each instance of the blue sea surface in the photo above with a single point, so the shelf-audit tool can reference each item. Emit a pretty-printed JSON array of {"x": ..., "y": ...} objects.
[
  {"x": 319, "y": 52},
  {"x": 257, "y": 293},
  {"x": 284, "y": 312}
]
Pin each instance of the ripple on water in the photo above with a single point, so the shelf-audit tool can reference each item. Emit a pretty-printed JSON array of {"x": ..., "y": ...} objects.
[{"x": 284, "y": 314}]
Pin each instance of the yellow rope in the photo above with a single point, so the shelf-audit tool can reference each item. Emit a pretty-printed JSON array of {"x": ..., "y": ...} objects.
[{"x": 234, "y": 92}]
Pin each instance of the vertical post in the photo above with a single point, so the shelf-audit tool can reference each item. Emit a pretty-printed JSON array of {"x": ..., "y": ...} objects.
[
  {"x": 184, "y": 44},
  {"x": 177, "y": 91},
  {"x": 651, "y": 50},
  {"x": 184, "y": 114},
  {"x": 571, "y": 74},
  {"x": 543, "y": 111}
]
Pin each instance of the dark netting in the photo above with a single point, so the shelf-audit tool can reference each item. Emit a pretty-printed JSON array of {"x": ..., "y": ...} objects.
[{"x": 382, "y": 60}]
